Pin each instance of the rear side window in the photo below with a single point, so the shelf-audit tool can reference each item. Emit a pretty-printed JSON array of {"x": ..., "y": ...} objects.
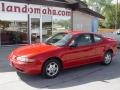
[
  {"x": 97, "y": 38},
  {"x": 83, "y": 40}
]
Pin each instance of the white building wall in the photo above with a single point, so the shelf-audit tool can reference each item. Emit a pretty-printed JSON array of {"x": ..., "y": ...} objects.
[{"x": 82, "y": 21}]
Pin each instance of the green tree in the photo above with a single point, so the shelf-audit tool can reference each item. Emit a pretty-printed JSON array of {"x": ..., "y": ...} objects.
[
  {"x": 110, "y": 15},
  {"x": 99, "y": 5},
  {"x": 107, "y": 9},
  {"x": 64, "y": 23}
]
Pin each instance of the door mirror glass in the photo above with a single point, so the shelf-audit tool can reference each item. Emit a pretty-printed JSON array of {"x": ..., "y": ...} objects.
[
  {"x": 118, "y": 33},
  {"x": 73, "y": 44}
]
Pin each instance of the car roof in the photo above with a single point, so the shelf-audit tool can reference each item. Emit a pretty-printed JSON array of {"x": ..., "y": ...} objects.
[{"x": 76, "y": 32}]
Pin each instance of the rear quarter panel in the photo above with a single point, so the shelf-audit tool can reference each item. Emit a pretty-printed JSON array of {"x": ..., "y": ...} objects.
[{"x": 110, "y": 44}]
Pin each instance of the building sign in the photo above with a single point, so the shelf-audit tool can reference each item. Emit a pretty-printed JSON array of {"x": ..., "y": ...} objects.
[{"x": 21, "y": 8}]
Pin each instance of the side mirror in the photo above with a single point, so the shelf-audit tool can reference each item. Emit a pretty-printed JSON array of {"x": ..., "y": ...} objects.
[
  {"x": 118, "y": 33},
  {"x": 73, "y": 44}
]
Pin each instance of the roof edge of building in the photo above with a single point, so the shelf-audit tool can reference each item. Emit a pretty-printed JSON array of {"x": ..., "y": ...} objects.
[
  {"x": 79, "y": 5},
  {"x": 91, "y": 12}
]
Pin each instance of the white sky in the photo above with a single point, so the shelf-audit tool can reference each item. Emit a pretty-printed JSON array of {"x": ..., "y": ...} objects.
[{"x": 115, "y": 1}]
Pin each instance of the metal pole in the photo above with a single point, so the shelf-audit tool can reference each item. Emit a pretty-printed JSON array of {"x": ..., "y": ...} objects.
[
  {"x": 29, "y": 25},
  {"x": 72, "y": 21},
  {"x": 41, "y": 38},
  {"x": 0, "y": 37},
  {"x": 29, "y": 29},
  {"x": 117, "y": 13},
  {"x": 116, "y": 21},
  {"x": 52, "y": 23}
]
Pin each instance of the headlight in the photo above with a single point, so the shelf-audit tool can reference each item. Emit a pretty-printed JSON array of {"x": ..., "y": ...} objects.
[{"x": 24, "y": 59}]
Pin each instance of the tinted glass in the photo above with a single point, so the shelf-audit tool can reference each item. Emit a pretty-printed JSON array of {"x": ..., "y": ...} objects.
[
  {"x": 59, "y": 39},
  {"x": 97, "y": 38},
  {"x": 83, "y": 40}
]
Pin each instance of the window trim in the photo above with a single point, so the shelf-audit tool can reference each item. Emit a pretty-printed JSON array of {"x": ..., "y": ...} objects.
[
  {"x": 87, "y": 44},
  {"x": 93, "y": 37}
]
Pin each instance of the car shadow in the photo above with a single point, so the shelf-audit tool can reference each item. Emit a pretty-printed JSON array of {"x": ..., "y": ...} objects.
[{"x": 75, "y": 76}]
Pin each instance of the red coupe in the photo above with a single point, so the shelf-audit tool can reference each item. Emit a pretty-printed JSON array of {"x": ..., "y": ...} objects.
[{"x": 61, "y": 51}]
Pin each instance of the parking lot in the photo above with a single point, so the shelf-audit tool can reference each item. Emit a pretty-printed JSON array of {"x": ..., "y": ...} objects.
[{"x": 90, "y": 77}]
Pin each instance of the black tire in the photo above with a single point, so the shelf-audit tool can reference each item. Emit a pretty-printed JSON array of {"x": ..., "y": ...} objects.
[
  {"x": 107, "y": 59},
  {"x": 51, "y": 68}
]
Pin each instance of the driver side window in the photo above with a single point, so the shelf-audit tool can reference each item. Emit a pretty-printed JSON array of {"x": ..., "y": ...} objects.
[{"x": 83, "y": 40}]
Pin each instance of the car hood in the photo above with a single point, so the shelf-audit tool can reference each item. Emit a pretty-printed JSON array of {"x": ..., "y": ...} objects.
[{"x": 34, "y": 49}]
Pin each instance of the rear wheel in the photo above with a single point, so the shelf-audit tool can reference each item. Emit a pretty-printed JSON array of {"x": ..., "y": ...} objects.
[
  {"x": 51, "y": 68},
  {"x": 107, "y": 58}
]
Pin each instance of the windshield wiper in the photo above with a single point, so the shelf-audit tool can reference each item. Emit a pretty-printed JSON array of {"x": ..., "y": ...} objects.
[{"x": 49, "y": 43}]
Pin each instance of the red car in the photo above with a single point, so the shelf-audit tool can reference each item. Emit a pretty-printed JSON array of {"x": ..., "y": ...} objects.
[{"x": 61, "y": 51}]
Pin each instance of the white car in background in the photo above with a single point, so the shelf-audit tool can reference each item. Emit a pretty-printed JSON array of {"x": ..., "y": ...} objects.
[{"x": 115, "y": 35}]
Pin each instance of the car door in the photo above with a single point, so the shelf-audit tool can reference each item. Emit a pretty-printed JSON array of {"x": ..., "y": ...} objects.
[
  {"x": 98, "y": 46},
  {"x": 81, "y": 53}
]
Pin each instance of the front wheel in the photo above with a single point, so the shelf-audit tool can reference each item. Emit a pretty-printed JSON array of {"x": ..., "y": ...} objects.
[
  {"x": 51, "y": 68},
  {"x": 107, "y": 58}
]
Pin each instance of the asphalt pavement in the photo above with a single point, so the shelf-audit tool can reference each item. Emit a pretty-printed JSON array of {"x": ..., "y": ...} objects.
[{"x": 89, "y": 77}]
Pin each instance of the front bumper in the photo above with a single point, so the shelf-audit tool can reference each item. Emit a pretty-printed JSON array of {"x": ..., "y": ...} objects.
[{"x": 27, "y": 68}]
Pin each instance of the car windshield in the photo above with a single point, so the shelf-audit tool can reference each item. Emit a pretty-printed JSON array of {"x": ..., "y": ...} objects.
[{"x": 59, "y": 39}]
